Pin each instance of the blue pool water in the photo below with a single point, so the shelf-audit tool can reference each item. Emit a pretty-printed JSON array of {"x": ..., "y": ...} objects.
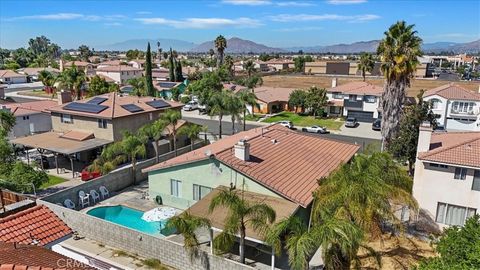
[{"x": 130, "y": 218}]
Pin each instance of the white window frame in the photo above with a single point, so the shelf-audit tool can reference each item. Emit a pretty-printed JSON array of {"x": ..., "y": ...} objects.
[
  {"x": 175, "y": 188},
  {"x": 370, "y": 99},
  {"x": 445, "y": 211},
  {"x": 66, "y": 118},
  {"x": 197, "y": 192},
  {"x": 461, "y": 174},
  {"x": 436, "y": 103},
  {"x": 337, "y": 95}
]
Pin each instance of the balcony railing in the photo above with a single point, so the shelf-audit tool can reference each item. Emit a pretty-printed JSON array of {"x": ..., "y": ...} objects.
[
  {"x": 347, "y": 103},
  {"x": 471, "y": 113}
]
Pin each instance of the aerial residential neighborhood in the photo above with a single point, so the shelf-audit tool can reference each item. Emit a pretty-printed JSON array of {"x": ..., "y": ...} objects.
[{"x": 239, "y": 134}]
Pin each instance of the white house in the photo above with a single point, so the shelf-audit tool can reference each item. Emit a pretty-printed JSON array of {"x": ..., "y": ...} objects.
[
  {"x": 456, "y": 108},
  {"x": 120, "y": 74},
  {"x": 447, "y": 175},
  {"x": 33, "y": 73},
  {"x": 139, "y": 63},
  {"x": 11, "y": 77},
  {"x": 355, "y": 99}
]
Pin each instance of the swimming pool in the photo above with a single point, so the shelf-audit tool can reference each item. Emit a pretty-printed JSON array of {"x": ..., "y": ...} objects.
[{"x": 130, "y": 218}]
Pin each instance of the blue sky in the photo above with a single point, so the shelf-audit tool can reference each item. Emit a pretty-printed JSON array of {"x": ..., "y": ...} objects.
[{"x": 274, "y": 23}]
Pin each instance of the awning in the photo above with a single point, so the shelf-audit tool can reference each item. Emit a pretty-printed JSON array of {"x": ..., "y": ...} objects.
[
  {"x": 338, "y": 103},
  {"x": 59, "y": 143},
  {"x": 283, "y": 209}
]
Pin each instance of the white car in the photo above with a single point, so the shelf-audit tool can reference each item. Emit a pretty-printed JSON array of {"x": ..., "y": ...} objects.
[
  {"x": 315, "y": 129},
  {"x": 286, "y": 124},
  {"x": 191, "y": 105}
]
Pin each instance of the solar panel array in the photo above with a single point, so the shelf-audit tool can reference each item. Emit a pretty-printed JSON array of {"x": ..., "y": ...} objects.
[
  {"x": 167, "y": 84},
  {"x": 157, "y": 104},
  {"x": 84, "y": 107},
  {"x": 96, "y": 100},
  {"x": 132, "y": 108}
]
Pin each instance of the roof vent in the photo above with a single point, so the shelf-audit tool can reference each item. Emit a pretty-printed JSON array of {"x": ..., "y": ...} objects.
[
  {"x": 242, "y": 150},
  {"x": 274, "y": 141}
]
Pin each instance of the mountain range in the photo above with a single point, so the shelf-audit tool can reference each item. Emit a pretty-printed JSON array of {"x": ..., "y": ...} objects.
[{"x": 238, "y": 45}]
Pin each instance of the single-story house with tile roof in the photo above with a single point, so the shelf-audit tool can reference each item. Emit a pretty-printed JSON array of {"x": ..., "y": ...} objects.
[
  {"x": 271, "y": 99},
  {"x": 447, "y": 175},
  {"x": 32, "y": 73},
  {"x": 11, "y": 77}
]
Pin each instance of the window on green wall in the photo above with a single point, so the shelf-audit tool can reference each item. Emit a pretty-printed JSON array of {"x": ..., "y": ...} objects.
[
  {"x": 200, "y": 191},
  {"x": 175, "y": 188}
]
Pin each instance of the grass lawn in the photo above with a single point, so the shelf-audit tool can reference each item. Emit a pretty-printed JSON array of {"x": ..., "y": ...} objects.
[
  {"x": 35, "y": 93},
  {"x": 52, "y": 180},
  {"x": 253, "y": 117},
  {"x": 305, "y": 121}
]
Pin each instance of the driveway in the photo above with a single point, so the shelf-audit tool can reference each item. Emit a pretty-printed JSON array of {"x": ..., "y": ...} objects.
[{"x": 363, "y": 130}]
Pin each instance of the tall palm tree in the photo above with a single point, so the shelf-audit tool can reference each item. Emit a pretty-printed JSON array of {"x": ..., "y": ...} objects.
[
  {"x": 220, "y": 45},
  {"x": 234, "y": 107},
  {"x": 171, "y": 118},
  {"x": 366, "y": 63},
  {"x": 217, "y": 104},
  {"x": 73, "y": 79},
  {"x": 247, "y": 98},
  {"x": 398, "y": 51},
  {"x": 186, "y": 224},
  {"x": 241, "y": 213},
  {"x": 155, "y": 132},
  {"x": 249, "y": 67},
  {"x": 7, "y": 122},
  {"x": 192, "y": 131},
  {"x": 48, "y": 80},
  {"x": 229, "y": 65},
  {"x": 138, "y": 86}
]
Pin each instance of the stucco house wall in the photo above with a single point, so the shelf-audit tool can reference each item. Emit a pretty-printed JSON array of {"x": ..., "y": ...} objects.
[
  {"x": 40, "y": 122},
  {"x": 83, "y": 123}
]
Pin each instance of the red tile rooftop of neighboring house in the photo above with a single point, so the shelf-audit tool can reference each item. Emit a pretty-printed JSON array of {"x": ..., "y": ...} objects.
[
  {"x": 453, "y": 91},
  {"x": 33, "y": 107},
  {"x": 457, "y": 148},
  {"x": 28, "y": 257},
  {"x": 37, "y": 224},
  {"x": 118, "y": 68},
  {"x": 291, "y": 166},
  {"x": 271, "y": 94},
  {"x": 357, "y": 88},
  {"x": 79, "y": 64}
]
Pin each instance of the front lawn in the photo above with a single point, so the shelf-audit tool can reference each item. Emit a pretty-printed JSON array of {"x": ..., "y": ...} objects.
[
  {"x": 36, "y": 93},
  {"x": 253, "y": 117},
  {"x": 305, "y": 121},
  {"x": 52, "y": 180}
]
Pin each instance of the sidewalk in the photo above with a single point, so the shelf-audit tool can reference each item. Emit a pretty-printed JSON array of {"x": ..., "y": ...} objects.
[
  {"x": 16, "y": 94},
  {"x": 226, "y": 118}
]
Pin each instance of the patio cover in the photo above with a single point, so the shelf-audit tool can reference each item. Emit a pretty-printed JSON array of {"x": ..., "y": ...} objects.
[
  {"x": 59, "y": 143},
  {"x": 283, "y": 209}
]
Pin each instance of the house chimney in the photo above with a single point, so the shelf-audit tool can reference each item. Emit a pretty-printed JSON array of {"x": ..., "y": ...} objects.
[
  {"x": 334, "y": 82},
  {"x": 242, "y": 150},
  {"x": 64, "y": 97},
  {"x": 424, "y": 137}
]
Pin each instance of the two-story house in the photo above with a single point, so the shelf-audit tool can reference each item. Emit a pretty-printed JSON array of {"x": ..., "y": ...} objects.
[
  {"x": 456, "y": 108},
  {"x": 355, "y": 99},
  {"x": 121, "y": 73},
  {"x": 447, "y": 175}
]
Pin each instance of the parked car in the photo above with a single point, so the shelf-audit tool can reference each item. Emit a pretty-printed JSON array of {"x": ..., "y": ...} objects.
[
  {"x": 88, "y": 175},
  {"x": 351, "y": 122},
  {"x": 191, "y": 105},
  {"x": 315, "y": 129},
  {"x": 42, "y": 161},
  {"x": 202, "y": 108},
  {"x": 287, "y": 124},
  {"x": 377, "y": 124}
]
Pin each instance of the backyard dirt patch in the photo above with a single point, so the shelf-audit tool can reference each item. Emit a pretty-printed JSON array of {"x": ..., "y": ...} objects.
[{"x": 305, "y": 81}]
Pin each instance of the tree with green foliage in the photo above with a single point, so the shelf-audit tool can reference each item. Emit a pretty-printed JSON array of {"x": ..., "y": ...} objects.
[
  {"x": 247, "y": 99},
  {"x": 73, "y": 79},
  {"x": 22, "y": 57},
  {"x": 178, "y": 71},
  {"x": 23, "y": 178},
  {"x": 171, "y": 119},
  {"x": 192, "y": 131},
  {"x": 299, "y": 63},
  {"x": 220, "y": 45},
  {"x": 458, "y": 248},
  {"x": 217, "y": 106},
  {"x": 97, "y": 86},
  {"x": 154, "y": 131},
  {"x": 366, "y": 63},
  {"x": 151, "y": 91},
  {"x": 249, "y": 67},
  {"x": 399, "y": 51},
  {"x": 229, "y": 66},
  {"x": 4, "y": 55},
  {"x": 404, "y": 146},
  {"x": 234, "y": 108},
  {"x": 138, "y": 86},
  {"x": 84, "y": 53},
  {"x": 298, "y": 99},
  {"x": 316, "y": 99},
  {"x": 206, "y": 86},
  {"x": 134, "y": 54},
  {"x": 241, "y": 213},
  {"x": 11, "y": 65},
  {"x": 7, "y": 122}
]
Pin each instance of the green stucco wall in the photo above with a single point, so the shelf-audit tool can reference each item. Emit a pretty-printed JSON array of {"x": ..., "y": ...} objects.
[{"x": 210, "y": 173}]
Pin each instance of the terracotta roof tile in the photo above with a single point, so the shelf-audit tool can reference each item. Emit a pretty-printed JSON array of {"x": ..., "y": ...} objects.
[
  {"x": 33, "y": 107},
  {"x": 457, "y": 148},
  {"x": 271, "y": 94},
  {"x": 78, "y": 64},
  {"x": 358, "y": 88},
  {"x": 34, "y": 224},
  {"x": 453, "y": 91},
  {"x": 6, "y": 73},
  {"x": 118, "y": 68},
  {"x": 289, "y": 167}
]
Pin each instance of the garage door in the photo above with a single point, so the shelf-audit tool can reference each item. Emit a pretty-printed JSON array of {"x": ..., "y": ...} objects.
[{"x": 361, "y": 116}]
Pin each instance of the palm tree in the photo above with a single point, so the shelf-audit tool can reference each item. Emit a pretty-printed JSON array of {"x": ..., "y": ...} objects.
[
  {"x": 398, "y": 51},
  {"x": 73, "y": 79},
  {"x": 7, "y": 122},
  {"x": 241, "y": 213},
  {"x": 229, "y": 65},
  {"x": 48, "y": 80},
  {"x": 138, "y": 86},
  {"x": 249, "y": 67},
  {"x": 217, "y": 106},
  {"x": 192, "y": 131},
  {"x": 366, "y": 64},
  {"x": 247, "y": 98},
  {"x": 154, "y": 131},
  {"x": 234, "y": 107},
  {"x": 186, "y": 224},
  {"x": 220, "y": 45},
  {"x": 171, "y": 118}
]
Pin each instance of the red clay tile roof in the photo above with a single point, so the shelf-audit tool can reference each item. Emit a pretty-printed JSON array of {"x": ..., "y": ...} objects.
[
  {"x": 118, "y": 68},
  {"x": 290, "y": 167},
  {"x": 115, "y": 110},
  {"x": 28, "y": 257},
  {"x": 78, "y": 64},
  {"x": 358, "y": 88},
  {"x": 453, "y": 91},
  {"x": 271, "y": 94},
  {"x": 457, "y": 148},
  {"x": 33, "y": 107},
  {"x": 34, "y": 224},
  {"x": 6, "y": 73}
]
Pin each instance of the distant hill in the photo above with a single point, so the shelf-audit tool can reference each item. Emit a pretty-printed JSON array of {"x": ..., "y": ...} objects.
[
  {"x": 141, "y": 44},
  {"x": 237, "y": 45}
]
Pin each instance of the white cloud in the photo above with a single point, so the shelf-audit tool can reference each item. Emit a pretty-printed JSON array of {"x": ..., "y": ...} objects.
[
  {"x": 247, "y": 2},
  {"x": 143, "y": 12},
  {"x": 323, "y": 17},
  {"x": 294, "y": 4},
  {"x": 69, "y": 16},
  {"x": 346, "y": 2},
  {"x": 203, "y": 23}
]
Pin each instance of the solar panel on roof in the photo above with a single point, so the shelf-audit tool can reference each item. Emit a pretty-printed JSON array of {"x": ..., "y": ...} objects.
[
  {"x": 131, "y": 108},
  {"x": 158, "y": 104},
  {"x": 84, "y": 107},
  {"x": 167, "y": 84},
  {"x": 96, "y": 100}
]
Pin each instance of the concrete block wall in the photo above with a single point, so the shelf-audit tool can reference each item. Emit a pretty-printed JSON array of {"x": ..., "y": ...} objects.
[{"x": 135, "y": 242}]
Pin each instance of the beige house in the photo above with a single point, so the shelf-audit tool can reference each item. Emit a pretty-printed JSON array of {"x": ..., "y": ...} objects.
[
  {"x": 11, "y": 77},
  {"x": 87, "y": 67},
  {"x": 447, "y": 175},
  {"x": 279, "y": 64},
  {"x": 121, "y": 73}
]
